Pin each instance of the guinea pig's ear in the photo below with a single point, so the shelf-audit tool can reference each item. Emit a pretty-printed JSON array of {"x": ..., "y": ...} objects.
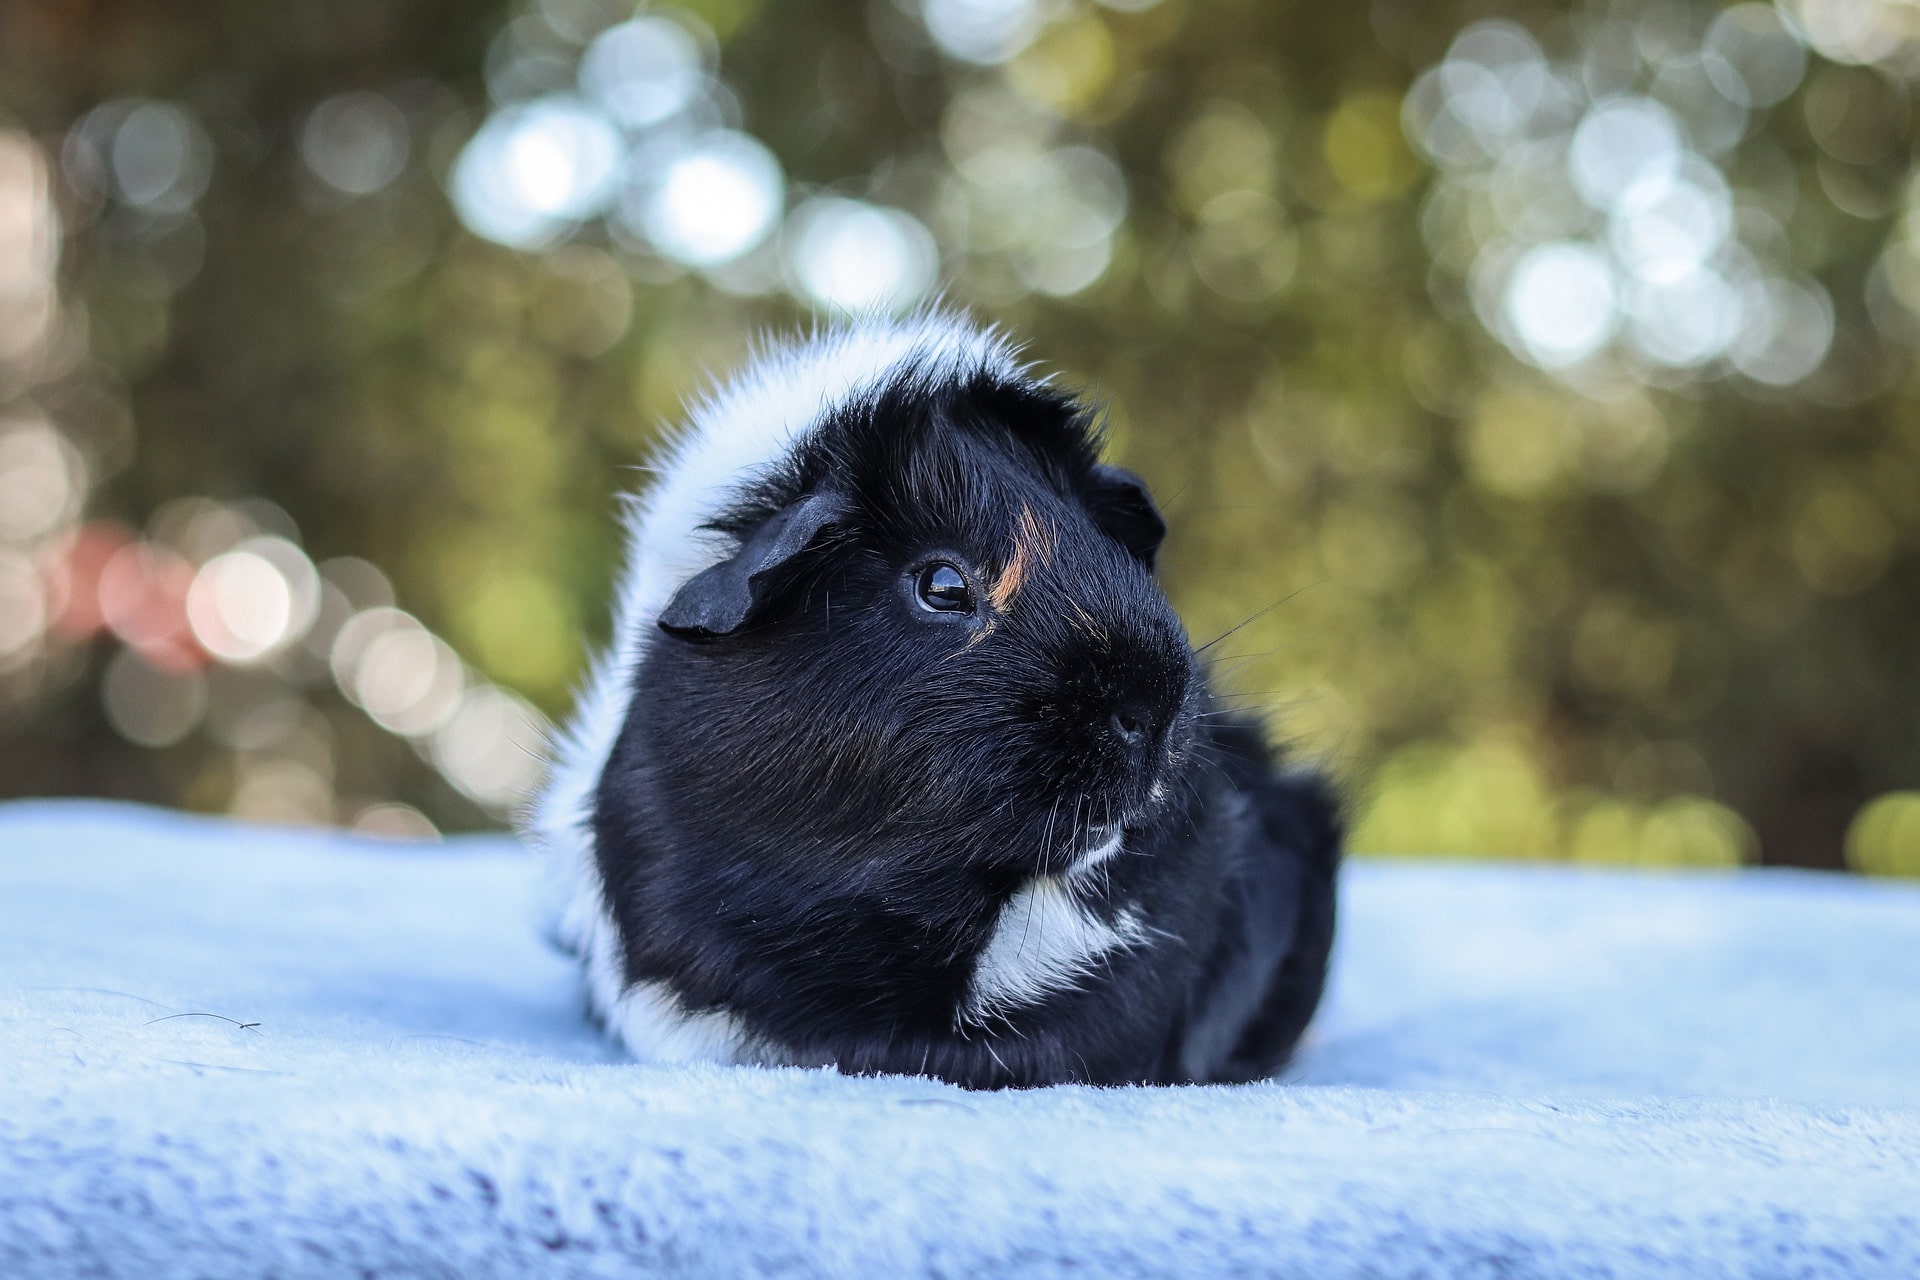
[
  {"x": 1120, "y": 505},
  {"x": 721, "y": 600}
]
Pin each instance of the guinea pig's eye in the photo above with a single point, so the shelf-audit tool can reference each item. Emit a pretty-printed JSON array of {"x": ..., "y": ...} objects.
[{"x": 943, "y": 589}]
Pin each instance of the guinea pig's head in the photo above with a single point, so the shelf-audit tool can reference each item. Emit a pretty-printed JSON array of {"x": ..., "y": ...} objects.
[{"x": 936, "y": 638}]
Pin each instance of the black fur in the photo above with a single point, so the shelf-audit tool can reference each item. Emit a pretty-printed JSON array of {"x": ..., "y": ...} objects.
[{"x": 823, "y": 793}]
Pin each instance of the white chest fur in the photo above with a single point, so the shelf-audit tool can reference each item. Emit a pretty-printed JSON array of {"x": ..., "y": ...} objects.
[{"x": 1047, "y": 939}]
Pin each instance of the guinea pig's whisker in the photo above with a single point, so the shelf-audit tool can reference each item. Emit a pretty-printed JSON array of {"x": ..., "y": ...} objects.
[
  {"x": 1253, "y": 617},
  {"x": 1245, "y": 709},
  {"x": 1026, "y": 926},
  {"x": 1211, "y": 766},
  {"x": 1228, "y": 663},
  {"x": 1046, "y": 838}
]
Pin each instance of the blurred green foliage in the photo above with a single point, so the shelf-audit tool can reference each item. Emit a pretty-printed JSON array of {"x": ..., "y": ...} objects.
[{"x": 1653, "y": 618}]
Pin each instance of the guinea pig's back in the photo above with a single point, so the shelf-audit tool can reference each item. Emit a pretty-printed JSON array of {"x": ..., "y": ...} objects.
[{"x": 1253, "y": 1001}]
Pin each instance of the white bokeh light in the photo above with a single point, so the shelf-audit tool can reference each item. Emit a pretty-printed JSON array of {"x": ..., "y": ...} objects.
[
  {"x": 1676, "y": 226},
  {"x": 713, "y": 201},
  {"x": 43, "y": 479},
  {"x": 23, "y": 607},
  {"x": 1856, "y": 31},
  {"x": 1587, "y": 201},
  {"x": 857, "y": 257},
  {"x": 408, "y": 680},
  {"x": 250, "y": 602},
  {"x": 239, "y": 606},
  {"x": 1692, "y": 87},
  {"x": 1684, "y": 321},
  {"x": 355, "y": 636},
  {"x": 356, "y": 142},
  {"x": 644, "y": 71},
  {"x": 491, "y": 746},
  {"x": 1494, "y": 76},
  {"x": 1788, "y": 331},
  {"x": 160, "y": 159},
  {"x": 1562, "y": 302},
  {"x": 534, "y": 171},
  {"x": 29, "y": 248},
  {"x": 983, "y": 31},
  {"x": 1625, "y": 152},
  {"x": 1754, "y": 59}
]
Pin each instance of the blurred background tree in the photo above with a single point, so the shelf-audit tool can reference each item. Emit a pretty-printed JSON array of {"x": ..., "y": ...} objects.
[{"x": 1531, "y": 384}]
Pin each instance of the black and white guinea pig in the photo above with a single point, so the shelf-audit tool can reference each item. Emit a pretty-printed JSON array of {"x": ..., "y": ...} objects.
[{"x": 901, "y": 761}]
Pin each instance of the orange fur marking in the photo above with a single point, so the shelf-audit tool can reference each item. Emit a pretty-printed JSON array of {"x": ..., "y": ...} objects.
[{"x": 1031, "y": 543}]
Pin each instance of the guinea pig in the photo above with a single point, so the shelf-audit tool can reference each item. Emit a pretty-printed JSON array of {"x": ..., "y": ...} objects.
[{"x": 901, "y": 761}]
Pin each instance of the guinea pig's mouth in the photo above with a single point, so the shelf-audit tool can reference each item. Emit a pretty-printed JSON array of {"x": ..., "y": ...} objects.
[{"x": 1080, "y": 846}]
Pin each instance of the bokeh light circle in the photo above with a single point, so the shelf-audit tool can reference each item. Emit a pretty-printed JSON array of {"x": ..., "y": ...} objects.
[
  {"x": 1666, "y": 231},
  {"x": 983, "y": 31},
  {"x": 1684, "y": 321},
  {"x": 643, "y": 71},
  {"x": 1493, "y": 76},
  {"x": 1755, "y": 59},
  {"x": 535, "y": 170},
  {"x": 714, "y": 200},
  {"x": 408, "y": 680},
  {"x": 1625, "y": 152},
  {"x": 491, "y": 746},
  {"x": 1788, "y": 333},
  {"x": 250, "y": 602},
  {"x": 23, "y": 607},
  {"x": 160, "y": 159},
  {"x": 1562, "y": 302},
  {"x": 151, "y": 706},
  {"x": 856, "y": 257},
  {"x": 43, "y": 479},
  {"x": 356, "y": 142}
]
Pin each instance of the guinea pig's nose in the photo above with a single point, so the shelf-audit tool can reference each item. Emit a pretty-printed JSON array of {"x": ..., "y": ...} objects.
[{"x": 1130, "y": 724}]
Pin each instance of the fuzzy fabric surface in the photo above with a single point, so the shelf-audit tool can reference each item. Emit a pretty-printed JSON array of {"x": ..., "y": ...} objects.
[{"x": 232, "y": 1051}]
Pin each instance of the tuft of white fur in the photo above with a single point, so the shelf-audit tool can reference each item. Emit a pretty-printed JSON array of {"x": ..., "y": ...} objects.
[
  {"x": 742, "y": 430},
  {"x": 1045, "y": 939}
]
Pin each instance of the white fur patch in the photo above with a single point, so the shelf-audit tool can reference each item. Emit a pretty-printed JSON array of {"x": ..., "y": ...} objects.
[
  {"x": 1047, "y": 940},
  {"x": 646, "y": 1017},
  {"x": 737, "y": 433},
  {"x": 1101, "y": 850}
]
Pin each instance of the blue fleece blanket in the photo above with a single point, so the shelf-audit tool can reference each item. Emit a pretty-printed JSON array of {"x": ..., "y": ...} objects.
[{"x": 231, "y": 1051}]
